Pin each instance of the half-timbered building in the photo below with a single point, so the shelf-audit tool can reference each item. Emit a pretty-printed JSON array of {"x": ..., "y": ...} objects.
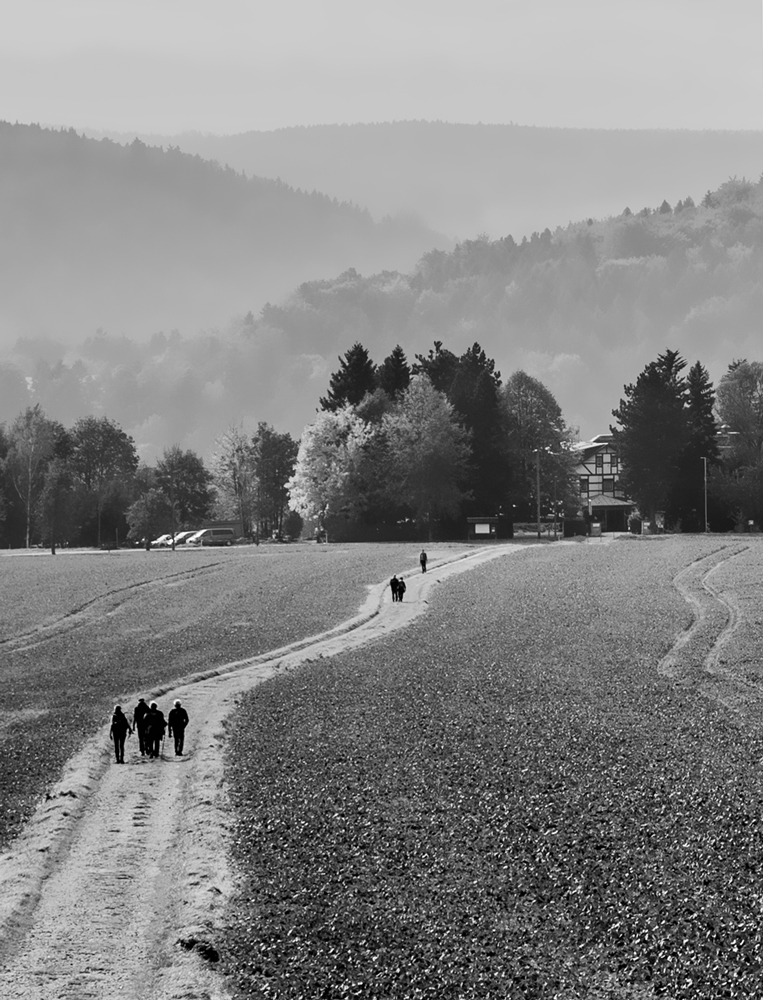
[{"x": 601, "y": 496}]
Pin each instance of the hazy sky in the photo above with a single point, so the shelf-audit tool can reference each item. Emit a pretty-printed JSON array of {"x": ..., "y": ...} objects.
[{"x": 234, "y": 65}]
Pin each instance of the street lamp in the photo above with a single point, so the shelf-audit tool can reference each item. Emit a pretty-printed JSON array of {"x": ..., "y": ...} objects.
[
  {"x": 704, "y": 462},
  {"x": 554, "y": 454}
]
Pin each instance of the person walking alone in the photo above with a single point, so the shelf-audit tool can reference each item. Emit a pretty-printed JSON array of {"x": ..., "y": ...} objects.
[
  {"x": 155, "y": 726},
  {"x": 177, "y": 720},
  {"x": 139, "y": 724},
  {"x": 120, "y": 729},
  {"x": 423, "y": 561}
]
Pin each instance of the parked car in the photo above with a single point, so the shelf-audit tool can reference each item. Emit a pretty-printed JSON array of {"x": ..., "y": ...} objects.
[
  {"x": 182, "y": 536},
  {"x": 162, "y": 542},
  {"x": 213, "y": 536}
]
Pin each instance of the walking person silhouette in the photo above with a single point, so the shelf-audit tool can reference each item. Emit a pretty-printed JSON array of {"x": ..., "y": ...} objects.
[{"x": 120, "y": 729}]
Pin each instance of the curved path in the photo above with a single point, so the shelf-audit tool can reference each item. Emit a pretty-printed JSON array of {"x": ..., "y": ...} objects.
[{"x": 115, "y": 886}]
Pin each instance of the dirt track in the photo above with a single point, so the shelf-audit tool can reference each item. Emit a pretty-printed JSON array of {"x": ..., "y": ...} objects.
[{"x": 115, "y": 885}]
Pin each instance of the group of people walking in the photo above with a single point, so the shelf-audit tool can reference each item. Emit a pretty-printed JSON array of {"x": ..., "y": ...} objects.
[
  {"x": 149, "y": 723},
  {"x": 397, "y": 583}
]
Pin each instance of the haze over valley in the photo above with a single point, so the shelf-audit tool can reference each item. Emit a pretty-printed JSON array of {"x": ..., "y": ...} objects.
[
  {"x": 194, "y": 243},
  {"x": 465, "y": 179}
]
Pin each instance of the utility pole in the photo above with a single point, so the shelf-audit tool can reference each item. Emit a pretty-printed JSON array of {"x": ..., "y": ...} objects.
[
  {"x": 704, "y": 462},
  {"x": 537, "y": 487}
]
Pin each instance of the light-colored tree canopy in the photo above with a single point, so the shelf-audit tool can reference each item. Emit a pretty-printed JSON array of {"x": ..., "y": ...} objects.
[
  {"x": 32, "y": 442},
  {"x": 328, "y": 462},
  {"x": 429, "y": 453}
]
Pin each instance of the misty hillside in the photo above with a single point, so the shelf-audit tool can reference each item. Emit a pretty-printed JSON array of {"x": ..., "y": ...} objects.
[
  {"x": 134, "y": 238},
  {"x": 583, "y": 309},
  {"x": 498, "y": 179}
]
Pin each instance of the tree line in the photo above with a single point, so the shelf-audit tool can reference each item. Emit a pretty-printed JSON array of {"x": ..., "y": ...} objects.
[
  {"x": 427, "y": 444},
  {"x": 684, "y": 444},
  {"x": 413, "y": 447},
  {"x": 85, "y": 485}
]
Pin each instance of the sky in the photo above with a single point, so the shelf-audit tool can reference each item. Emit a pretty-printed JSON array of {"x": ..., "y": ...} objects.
[{"x": 227, "y": 66}]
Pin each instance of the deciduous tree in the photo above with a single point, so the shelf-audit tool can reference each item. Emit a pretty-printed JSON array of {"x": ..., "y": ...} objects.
[
  {"x": 430, "y": 454},
  {"x": 740, "y": 408},
  {"x": 104, "y": 461},
  {"x": 534, "y": 426},
  {"x": 328, "y": 462},
  {"x": 187, "y": 485},
  {"x": 234, "y": 477},
  {"x": 150, "y": 514},
  {"x": 56, "y": 505},
  {"x": 32, "y": 443},
  {"x": 275, "y": 456}
]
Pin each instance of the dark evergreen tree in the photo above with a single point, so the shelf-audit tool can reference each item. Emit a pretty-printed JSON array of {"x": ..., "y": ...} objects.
[
  {"x": 687, "y": 500},
  {"x": 355, "y": 377},
  {"x": 472, "y": 386},
  {"x": 439, "y": 366},
  {"x": 394, "y": 374},
  {"x": 653, "y": 433},
  {"x": 474, "y": 394}
]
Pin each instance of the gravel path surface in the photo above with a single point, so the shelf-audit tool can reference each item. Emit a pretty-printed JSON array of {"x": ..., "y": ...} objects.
[{"x": 113, "y": 888}]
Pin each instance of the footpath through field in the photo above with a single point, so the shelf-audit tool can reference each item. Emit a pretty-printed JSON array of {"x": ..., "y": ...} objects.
[{"x": 115, "y": 885}]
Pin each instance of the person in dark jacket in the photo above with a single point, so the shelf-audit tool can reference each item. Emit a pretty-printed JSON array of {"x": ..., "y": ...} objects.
[
  {"x": 400, "y": 588},
  {"x": 423, "y": 561},
  {"x": 155, "y": 726},
  {"x": 394, "y": 584},
  {"x": 177, "y": 720},
  {"x": 139, "y": 724},
  {"x": 120, "y": 729}
]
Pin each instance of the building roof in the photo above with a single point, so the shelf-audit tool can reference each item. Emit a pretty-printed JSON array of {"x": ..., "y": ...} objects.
[{"x": 604, "y": 500}]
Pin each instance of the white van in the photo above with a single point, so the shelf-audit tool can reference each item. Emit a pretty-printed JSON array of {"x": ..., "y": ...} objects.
[{"x": 212, "y": 536}]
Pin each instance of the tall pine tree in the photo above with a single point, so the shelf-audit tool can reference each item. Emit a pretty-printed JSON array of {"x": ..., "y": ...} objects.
[
  {"x": 687, "y": 498},
  {"x": 653, "y": 433},
  {"x": 394, "y": 374},
  {"x": 355, "y": 377}
]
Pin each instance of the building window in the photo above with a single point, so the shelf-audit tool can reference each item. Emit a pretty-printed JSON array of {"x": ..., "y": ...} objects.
[
  {"x": 584, "y": 484},
  {"x": 608, "y": 484},
  {"x": 599, "y": 463}
]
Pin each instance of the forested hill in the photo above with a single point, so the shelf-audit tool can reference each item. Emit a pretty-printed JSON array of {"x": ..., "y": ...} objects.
[
  {"x": 583, "y": 309},
  {"x": 135, "y": 238},
  {"x": 467, "y": 179}
]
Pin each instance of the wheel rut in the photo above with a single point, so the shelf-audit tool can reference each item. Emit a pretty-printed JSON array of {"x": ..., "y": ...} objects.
[
  {"x": 696, "y": 658},
  {"x": 95, "y": 611}
]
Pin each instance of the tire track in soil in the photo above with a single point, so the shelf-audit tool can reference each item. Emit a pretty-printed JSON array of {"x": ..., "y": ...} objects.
[
  {"x": 93, "y": 611},
  {"x": 696, "y": 656},
  {"x": 115, "y": 887}
]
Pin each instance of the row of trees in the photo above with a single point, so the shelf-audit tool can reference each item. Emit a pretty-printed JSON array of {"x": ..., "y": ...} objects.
[
  {"x": 430, "y": 443},
  {"x": 680, "y": 441},
  {"x": 85, "y": 485}
]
